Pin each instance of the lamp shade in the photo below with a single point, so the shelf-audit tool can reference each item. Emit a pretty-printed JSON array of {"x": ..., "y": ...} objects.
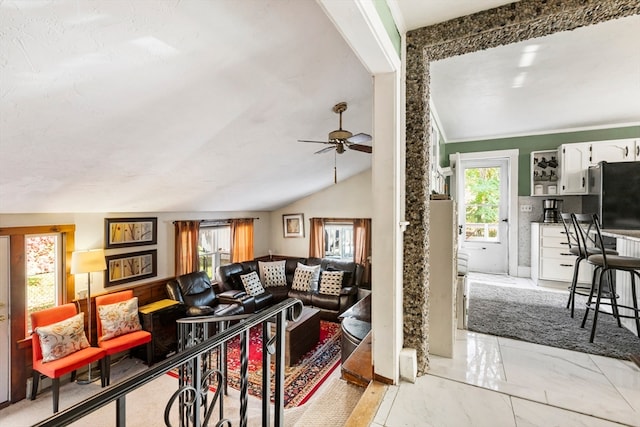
[{"x": 88, "y": 261}]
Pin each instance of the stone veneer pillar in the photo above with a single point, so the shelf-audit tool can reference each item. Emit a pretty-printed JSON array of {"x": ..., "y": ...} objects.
[{"x": 503, "y": 25}]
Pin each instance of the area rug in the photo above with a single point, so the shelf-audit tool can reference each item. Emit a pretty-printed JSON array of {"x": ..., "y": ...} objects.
[
  {"x": 541, "y": 317},
  {"x": 301, "y": 380}
]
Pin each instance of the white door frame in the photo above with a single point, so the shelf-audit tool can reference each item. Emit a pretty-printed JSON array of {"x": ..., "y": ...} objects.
[{"x": 512, "y": 158}]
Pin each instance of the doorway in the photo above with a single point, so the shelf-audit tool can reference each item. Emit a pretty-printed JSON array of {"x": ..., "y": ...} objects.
[
  {"x": 5, "y": 337},
  {"x": 486, "y": 192}
]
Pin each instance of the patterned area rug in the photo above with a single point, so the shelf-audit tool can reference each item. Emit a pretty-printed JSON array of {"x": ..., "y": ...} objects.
[{"x": 300, "y": 380}]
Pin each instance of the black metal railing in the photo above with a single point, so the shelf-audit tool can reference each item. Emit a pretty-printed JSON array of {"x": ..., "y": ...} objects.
[{"x": 201, "y": 364}]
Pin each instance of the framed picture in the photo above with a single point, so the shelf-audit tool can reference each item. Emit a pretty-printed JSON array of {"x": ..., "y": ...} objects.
[
  {"x": 125, "y": 232},
  {"x": 123, "y": 268},
  {"x": 293, "y": 225}
]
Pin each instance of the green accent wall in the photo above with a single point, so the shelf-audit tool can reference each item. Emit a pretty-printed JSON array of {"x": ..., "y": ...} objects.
[
  {"x": 389, "y": 24},
  {"x": 527, "y": 144}
]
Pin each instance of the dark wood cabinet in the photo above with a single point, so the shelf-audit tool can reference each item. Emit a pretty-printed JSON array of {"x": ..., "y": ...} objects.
[{"x": 159, "y": 318}]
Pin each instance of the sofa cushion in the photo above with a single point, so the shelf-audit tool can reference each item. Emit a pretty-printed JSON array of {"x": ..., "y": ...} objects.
[
  {"x": 119, "y": 318},
  {"x": 252, "y": 283},
  {"x": 272, "y": 273},
  {"x": 62, "y": 338},
  {"x": 331, "y": 282},
  {"x": 302, "y": 280}
]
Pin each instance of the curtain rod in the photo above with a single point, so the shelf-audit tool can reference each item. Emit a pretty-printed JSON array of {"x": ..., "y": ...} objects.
[{"x": 214, "y": 220}]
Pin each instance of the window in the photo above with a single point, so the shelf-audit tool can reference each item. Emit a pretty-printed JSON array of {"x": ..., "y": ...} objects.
[
  {"x": 482, "y": 203},
  {"x": 338, "y": 241},
  {"x": 214, "y": 247},
  {"x": 43, "y": 273}
]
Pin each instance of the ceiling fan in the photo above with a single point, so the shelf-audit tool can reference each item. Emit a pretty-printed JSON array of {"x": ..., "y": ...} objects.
[{"x": 340, "y": 139}]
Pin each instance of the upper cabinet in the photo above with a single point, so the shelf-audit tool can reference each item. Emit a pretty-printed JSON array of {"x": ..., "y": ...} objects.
[
  {"x": 545, "y": 172},
  {"x": 620, "y": 150},
  {"x": 574, "y": 162}
]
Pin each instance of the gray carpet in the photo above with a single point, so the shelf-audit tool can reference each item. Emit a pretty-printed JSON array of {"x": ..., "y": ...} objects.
[{"x": 540, "y": 317}]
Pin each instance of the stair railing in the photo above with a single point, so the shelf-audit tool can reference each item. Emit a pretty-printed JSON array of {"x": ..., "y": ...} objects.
[{"x": 201, "y": 364}]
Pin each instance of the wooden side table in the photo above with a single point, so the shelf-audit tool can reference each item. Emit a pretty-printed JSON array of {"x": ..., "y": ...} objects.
[{"x": 159, "y": 318}]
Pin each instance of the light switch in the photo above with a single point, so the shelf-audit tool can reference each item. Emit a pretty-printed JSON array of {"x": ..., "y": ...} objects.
[{"x": 526, "y": 208}]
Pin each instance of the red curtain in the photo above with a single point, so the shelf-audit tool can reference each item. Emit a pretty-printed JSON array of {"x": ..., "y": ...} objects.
[
  {"x": 362, "y": 246},
  {"x": 241, "y": 239},
  {"x": 316, "y": 238},
  {"x": 187, "y": 236}
]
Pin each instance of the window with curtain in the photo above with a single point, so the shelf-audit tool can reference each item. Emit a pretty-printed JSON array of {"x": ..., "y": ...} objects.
[{"x": 345, "y": 239}]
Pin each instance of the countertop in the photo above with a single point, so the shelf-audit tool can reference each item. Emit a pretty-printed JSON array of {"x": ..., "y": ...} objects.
[{"x": 622, "y": 234}]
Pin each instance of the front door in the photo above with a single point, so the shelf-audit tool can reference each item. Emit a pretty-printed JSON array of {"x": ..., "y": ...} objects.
[
  {"x": 483, "y": 209},
  {"x": 4, "y": 320}
]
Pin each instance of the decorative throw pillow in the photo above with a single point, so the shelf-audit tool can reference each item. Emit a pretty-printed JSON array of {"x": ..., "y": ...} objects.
[
  {"x": 272, "y": 273},
  {"x": 331, "y": 282},
  {"x": 119, "y": 318},
  {"x": 302, "y": 280},
  {"x": 315, "y": 269},
  {"x": 62, "y": 338},
  {"x": 252, "y": 283}
]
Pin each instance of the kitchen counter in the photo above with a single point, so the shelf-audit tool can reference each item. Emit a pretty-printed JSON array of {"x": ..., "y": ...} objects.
[{"x": 633, "y": 235}]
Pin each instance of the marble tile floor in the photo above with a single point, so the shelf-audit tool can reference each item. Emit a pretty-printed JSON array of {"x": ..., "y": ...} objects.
[{"x": 494, "y": 381}]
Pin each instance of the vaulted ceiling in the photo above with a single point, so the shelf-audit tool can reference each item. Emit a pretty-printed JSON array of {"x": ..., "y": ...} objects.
[{"x": 150, "y": 106}]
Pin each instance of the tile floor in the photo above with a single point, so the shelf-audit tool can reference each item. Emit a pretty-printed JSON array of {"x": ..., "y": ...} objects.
[{"x": 493, "y": 381}]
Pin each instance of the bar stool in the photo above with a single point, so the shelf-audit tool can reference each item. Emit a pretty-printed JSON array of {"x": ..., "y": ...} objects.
[
  {"x": 605, "y": 265},
  {"x": 582, "y": 252}
]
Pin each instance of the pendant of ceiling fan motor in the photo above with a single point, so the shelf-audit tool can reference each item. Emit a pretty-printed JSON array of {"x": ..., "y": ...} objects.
[{"x": 340, "y": 135}]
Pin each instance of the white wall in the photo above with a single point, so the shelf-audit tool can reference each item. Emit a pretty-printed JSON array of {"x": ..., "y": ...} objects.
[
  {"x": 90, "y": 235},
  {"x": 350, "y": 198}
]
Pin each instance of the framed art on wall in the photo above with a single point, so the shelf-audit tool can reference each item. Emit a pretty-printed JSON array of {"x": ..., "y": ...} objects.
[
  {"x": 293, "y": 225},
  {"x": 129, "y": 267},
  {"x": 125, "y": 232}
]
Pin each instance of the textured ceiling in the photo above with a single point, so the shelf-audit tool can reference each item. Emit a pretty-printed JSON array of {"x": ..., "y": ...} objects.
[
  {"x": 580, "y": 79},
  {"x": 151, "y": 106},
  {"x": 137, "y": 105}
]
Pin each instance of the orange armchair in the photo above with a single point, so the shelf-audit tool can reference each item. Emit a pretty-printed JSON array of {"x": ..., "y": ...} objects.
[
  {"x": 123, "y": 342},
  {"x": 51, "y": 342}
]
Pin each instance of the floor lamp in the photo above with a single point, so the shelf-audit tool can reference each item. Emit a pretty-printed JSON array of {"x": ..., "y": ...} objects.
[{"x": 88, "y": 262}]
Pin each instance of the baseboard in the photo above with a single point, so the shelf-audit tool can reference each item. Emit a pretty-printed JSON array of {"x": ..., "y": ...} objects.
[{"x": 524, "y": 271}]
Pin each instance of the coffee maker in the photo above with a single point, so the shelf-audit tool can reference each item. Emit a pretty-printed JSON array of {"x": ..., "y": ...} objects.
[{"x": 551, "y": 210}]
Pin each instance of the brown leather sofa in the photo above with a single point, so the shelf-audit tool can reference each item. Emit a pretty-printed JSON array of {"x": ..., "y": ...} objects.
[{"x": 330, "y": 306}]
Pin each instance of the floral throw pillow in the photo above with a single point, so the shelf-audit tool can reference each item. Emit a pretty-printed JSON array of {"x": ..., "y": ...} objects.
[
  {"x": 119, "y": 318},
  {"x": 272, "y": 273},
  {"x": 302, "y": 280},
  {"x": 60, "y": 339},
  {"x": 252, "y": 283},
  {"x": 331, "y": 282}
]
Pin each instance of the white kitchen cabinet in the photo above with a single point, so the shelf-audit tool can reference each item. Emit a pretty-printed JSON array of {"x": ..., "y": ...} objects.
[
  {"x": 574, "y": 163},
  {"x": 550, "y": 256},
  {"x": 545, "y": 172},
  {"x": 619, "y": 150}
]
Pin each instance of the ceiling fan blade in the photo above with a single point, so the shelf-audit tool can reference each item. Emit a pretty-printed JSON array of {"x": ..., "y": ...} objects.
[
  {"x": 315, "y": 142},
  {"x": 324, "y": 150},
  {"x": 359, "y": 138},
  {"x": 359, "y": 147}
]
